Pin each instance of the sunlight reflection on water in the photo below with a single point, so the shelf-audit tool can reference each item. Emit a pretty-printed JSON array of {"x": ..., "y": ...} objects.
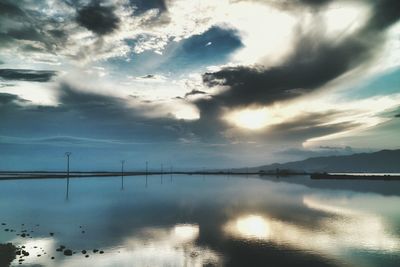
[
  {"x": 153, "y": 247},
  {"x": 348, "y": 229},
  {"x": 204, "y": 221}
]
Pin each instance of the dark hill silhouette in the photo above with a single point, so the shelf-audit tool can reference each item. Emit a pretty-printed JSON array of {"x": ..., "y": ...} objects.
[{"x": 381, "y": 161}]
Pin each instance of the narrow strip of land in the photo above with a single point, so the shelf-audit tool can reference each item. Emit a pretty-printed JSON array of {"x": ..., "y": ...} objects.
[{"x": 15, "y": 175}]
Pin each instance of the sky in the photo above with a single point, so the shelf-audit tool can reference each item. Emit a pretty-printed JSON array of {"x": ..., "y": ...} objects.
[{"x": 193, "y": 84}]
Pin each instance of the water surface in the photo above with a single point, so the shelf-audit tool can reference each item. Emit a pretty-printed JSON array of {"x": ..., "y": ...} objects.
[{"x": 184, "y": 220}]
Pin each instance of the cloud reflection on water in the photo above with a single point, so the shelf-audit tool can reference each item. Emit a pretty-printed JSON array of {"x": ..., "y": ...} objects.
[
  {"x": 173, "y": 246},
  {"x": 343, "y": 229}
]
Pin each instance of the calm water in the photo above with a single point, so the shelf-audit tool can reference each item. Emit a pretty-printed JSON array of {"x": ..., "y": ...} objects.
[{"x": 204, "y": 221}]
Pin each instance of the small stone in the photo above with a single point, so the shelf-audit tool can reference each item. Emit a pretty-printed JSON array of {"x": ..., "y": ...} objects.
[
  {"x": 52, "y": 258},
  {"x": 95, "y": 250},
  {"x": 51, "y": 234},
  {"x": 84, "y": 251},
  {"x": 68, "y": 252},
  {"x": 101, "y": 252},
  {"x": 86, "y": 256}
]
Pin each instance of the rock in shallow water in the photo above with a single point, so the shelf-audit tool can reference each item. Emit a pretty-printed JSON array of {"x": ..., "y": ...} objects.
[
  {"x": 7, "y": 254},
  {"x": 68, "y": 252}
]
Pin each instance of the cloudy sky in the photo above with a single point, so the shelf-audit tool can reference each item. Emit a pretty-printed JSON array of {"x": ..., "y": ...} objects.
[{"x": 199, "y": 83}]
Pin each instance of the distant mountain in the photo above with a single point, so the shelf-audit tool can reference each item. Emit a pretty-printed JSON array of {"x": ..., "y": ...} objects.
[{"x": 381, "y": 161}]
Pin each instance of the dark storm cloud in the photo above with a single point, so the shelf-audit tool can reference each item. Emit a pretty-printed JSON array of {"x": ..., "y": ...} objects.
[
  {"x": 21, "y": 21},
  {"x": 60, "y": 141},
  {"x": 27, "y": 75},
  {"x": 8, "y": 8},
  {"x": 91, "y": 104},
  {"x": 315, "y": 2},
  {"x": 98, "y": 18},
  {"x": 195, "y": 92},
  {"x": 26, "y": 33},
  {"x": 81, "y": 113},
  {"x": 315, "y": 62},
  {"x": 6, "y": 99}
]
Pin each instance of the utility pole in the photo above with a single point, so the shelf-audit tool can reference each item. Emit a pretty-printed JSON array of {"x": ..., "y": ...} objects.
[
  {"x": 122, "y": 174},
  {"x": 147, "y": 170},
  {"x": 162, "y": 171},
  {"x": 67, "y": 154}
]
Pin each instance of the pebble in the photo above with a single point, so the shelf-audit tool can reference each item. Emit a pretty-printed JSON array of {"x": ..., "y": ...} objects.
[{"x": 68, "y": 252}]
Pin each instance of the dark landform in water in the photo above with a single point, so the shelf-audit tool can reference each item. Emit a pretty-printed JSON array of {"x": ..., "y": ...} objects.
[
  {"x": 7, "y": 254},
  {"x": 354, "y": 176},
  {"x": 384, "y": 161}
]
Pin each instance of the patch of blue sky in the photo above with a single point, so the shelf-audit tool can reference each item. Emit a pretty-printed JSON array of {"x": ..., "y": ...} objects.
[
  {"x": 213, "y": 47},
  {"x": 384, "y": 84}
]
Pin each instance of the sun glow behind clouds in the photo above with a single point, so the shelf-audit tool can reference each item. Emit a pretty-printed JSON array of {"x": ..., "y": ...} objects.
[{"x": 250, "y": 118}]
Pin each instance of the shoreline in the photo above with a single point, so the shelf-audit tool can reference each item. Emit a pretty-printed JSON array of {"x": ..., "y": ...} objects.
[
  {"x": 327, "y": 176},
  {"x": 314, "y": 176}
]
